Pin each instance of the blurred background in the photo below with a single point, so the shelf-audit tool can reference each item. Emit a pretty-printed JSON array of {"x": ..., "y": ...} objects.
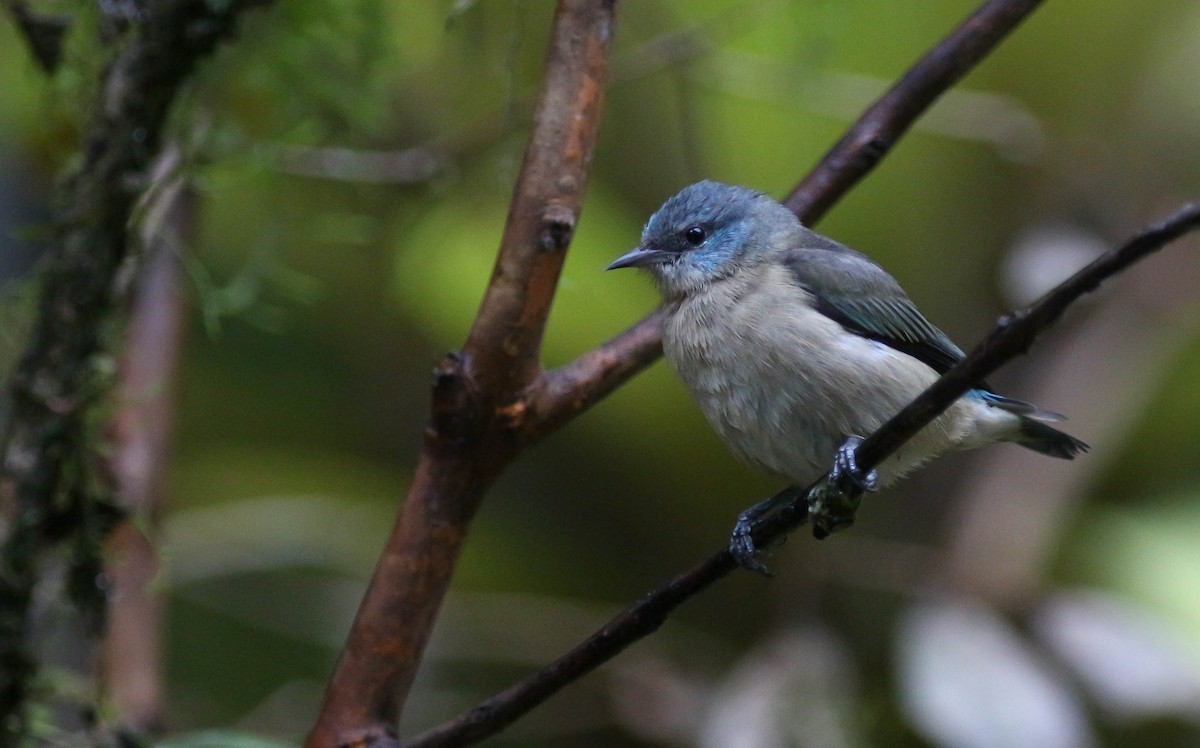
[{"x": 350, "y": 165}]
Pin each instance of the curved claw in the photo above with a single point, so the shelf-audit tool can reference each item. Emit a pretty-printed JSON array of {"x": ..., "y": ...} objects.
[
  {"x": 742, "y": 547},
  {"x": 845, "y": 467},
  {"x": 834, "y": 502}
]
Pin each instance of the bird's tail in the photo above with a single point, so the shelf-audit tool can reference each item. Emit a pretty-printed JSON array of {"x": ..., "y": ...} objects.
[
  {"x": 1033, "y": 431},
  {"x": 1048, "y": 440}
]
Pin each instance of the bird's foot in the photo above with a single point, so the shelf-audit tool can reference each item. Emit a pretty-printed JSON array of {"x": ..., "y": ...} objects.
[
  {"x": 742, "y": 545},
  {"x": 833, "y": 503},
  {"x": 845, "y": 468},
  {"x": 830, "y": 504}
]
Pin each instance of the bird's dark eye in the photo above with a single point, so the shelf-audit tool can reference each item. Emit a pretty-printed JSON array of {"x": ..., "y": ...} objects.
[{"x": 695, "y": 235}]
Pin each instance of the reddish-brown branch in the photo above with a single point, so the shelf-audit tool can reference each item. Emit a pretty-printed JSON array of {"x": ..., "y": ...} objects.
[
  {"x": 504, "y": 346},
  {"x": 571, "y": 389},
  {"x": 392, "y": 626},
  {"x": 479, "y": 396}
]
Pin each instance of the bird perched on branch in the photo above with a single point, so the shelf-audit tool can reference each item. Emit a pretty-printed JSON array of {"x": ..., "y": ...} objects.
[{"x": 796, "y": 347}]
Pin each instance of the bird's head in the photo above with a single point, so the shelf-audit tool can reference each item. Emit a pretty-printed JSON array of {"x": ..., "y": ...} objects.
[{"x": 706, "y": 232}]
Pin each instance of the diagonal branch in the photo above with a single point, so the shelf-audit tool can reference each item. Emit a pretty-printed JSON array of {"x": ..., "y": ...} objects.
[
  {"x": 1014, "y": 334},
  {"x": 866, "y": 142},
  {"x": 879, "y": 128},
  {"x": 567, "y": 391},
  {"x": 633, "y": 623}
]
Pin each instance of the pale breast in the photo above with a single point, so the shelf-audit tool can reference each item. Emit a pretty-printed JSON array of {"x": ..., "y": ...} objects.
[{"x": 784, "y": 385}]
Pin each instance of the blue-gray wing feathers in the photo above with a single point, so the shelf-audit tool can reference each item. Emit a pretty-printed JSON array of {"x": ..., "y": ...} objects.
[
  {"x": 858, "y": 294},
  {"x": 852, "y": 290}
]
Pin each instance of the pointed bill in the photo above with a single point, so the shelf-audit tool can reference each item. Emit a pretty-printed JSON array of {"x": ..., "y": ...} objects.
[{"x": 641, "y": 257}]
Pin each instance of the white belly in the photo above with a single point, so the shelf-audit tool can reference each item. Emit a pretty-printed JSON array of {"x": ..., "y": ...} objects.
[{"x": 784, "y": 385}]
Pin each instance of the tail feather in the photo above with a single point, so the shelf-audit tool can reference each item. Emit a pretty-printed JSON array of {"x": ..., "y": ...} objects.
[
  {"x": 1048, "y": 440},
  {"x": 1020, "y": 407}
]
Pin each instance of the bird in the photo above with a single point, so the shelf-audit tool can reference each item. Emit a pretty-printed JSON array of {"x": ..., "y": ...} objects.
[{"x": 795, "y": 347}]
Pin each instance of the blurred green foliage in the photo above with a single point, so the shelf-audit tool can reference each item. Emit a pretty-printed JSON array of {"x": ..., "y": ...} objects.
[{"x": 320, "y": 297}]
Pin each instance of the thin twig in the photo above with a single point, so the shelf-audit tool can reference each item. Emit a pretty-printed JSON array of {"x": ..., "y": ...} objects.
[
  {"x": 1013, "y": 335},
  {"x": 634, "y": 622},
  {"x": 879, "y": 128},
  {"x": 1015, "y": 332}
]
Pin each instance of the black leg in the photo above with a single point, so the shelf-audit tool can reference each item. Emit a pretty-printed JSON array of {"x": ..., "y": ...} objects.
[
  {"x": 831, "y": 506},
  {"x": 741, "y": 543},
  {"x": 833, "y": 503},
  {"x": 845, "y": 467}
]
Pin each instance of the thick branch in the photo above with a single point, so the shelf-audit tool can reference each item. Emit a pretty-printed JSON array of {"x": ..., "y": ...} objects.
[
  {"x": 479, "y": 396},
  {"x": 504, "y": 345},
  {"x": 55, "y": 381},
  {"x": 1013, "y": 335}
]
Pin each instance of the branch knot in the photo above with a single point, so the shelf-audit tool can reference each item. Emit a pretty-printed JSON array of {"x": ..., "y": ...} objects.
[
  {"x": 452, "y": 420},
  {"x": 558, "y": 226}
]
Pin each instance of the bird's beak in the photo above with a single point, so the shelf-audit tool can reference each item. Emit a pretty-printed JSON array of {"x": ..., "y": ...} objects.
[{"x": 641, "y": 257}]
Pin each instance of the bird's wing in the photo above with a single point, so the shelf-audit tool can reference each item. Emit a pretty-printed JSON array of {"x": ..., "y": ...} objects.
[
  {"x": 852, "y": 290},
  {"x": 895, "y": 323},
  {"x": 861, "y": 296}
]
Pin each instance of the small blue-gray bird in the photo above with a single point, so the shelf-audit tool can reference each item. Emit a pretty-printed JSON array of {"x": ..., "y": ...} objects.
[{"x": 795, "y": 346}]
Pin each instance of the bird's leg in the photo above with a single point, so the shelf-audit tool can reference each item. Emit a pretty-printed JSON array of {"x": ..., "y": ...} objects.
[
  {"x": 830, "y": 505},
  {"x": 741, "y": 542},
  {"x": 833, "y": 503},
  {"x": 845, "y": 468}
]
